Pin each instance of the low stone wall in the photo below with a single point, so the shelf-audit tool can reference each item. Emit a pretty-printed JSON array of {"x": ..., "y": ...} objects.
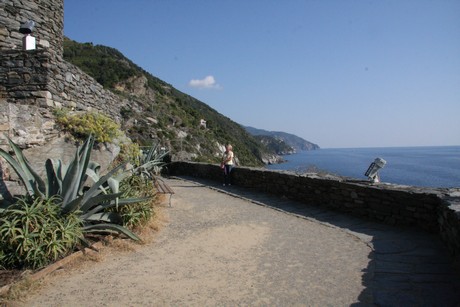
[{"x": 434, "y": 210}]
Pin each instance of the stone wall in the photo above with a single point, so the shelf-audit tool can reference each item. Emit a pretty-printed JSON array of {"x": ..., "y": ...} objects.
[
  {"x": 35, "y": 82},
  {"x": 433, "y": 210},
  {"x": 49, "y": 24},
  {"x": 32, "y": 83}
]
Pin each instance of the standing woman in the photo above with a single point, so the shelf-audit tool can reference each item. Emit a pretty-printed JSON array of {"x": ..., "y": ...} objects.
[{"x": 227, "y": 163}]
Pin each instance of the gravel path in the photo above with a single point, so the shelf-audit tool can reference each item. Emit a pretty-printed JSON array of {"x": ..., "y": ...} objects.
[{"x": 224, "y": 250}]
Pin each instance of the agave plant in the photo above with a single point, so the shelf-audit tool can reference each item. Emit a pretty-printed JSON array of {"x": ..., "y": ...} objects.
[
  {"x": 69, "y": 184},
  {"x": 33, "y": 184},
  {"x": 151, "y": 161}
]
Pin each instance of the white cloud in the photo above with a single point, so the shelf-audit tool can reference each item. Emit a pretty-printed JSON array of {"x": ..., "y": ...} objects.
[{"x": 207, "y": 82}]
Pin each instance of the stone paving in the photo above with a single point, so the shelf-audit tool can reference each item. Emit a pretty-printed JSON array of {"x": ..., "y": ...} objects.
[{"x": 407, "y": 266}]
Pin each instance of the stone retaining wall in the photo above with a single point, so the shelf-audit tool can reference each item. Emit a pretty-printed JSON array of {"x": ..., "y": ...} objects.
[
  {"x": 434, "y": 210},
  {"x": 32, "y": 83}
]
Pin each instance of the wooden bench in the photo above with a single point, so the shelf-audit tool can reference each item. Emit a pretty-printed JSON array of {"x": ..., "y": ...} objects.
[{"x": 163, "y": 188}]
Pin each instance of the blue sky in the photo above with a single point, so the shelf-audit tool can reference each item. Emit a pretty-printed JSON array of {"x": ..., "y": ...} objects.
[{"x": 337, "y": 73}]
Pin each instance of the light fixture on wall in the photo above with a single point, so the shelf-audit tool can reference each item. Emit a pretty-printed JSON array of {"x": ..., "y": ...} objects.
[{"x": 28, "y": 41}]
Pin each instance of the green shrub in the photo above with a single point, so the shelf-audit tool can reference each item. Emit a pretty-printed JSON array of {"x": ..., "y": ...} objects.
[
  {"x": 126, "y": 112},
  {"x": 2, "y": 259},
  {"x": 81, "y": 126},
  {"x": 34, "y": 233},
  {"x": 138, "y": 214},
  {"x": 70, "y": 188},
  {"x": 139, "y": 185},
  {"x": 57, "y": 212},
  {"x": 129, "y": 153}
]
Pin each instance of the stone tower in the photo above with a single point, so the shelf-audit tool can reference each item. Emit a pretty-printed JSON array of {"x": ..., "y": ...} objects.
[
  {"x": 48, "y": 16},
  {"x": 34, "y": 82}
]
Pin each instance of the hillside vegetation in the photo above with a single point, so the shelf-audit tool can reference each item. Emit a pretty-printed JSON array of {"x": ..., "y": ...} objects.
[
  {"x": 162, "y": 114},
  {"x": 275, "y": 144}
]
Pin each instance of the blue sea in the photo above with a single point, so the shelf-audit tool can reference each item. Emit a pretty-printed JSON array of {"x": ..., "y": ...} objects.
[{"x": 415, "y": 166}]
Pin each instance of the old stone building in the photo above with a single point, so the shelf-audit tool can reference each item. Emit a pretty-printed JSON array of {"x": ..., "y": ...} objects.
[{"x": 34, "y": 82}]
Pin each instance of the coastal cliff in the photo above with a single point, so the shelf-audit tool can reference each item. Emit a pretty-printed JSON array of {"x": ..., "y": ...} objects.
[{"x": 281, "y": 142}]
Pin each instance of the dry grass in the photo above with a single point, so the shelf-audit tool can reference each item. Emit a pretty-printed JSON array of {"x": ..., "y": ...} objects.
[
  {"x": 27, "y": 284},
  {"x": 9, "y": 276},
  {"x": 151, "y": 229},
  {"x": 19, "y": 290}
]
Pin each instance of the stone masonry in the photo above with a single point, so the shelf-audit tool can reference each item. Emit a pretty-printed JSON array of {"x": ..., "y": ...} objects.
[
  {"x": 35, "y": 82},
  {"x": 49, "y": 24}
]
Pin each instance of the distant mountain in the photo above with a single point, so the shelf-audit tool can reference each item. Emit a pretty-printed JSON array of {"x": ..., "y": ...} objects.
[{"x": 297, "y": 143}]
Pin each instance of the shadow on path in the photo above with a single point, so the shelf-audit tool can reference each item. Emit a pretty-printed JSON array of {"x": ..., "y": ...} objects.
[{"x": 408, "y": 266}]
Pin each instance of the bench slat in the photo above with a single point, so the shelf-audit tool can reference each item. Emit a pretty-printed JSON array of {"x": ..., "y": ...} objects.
[{"x": 163, "y": 188}]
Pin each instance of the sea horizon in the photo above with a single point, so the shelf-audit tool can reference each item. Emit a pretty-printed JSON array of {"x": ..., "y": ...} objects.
[
  {"x": 377, "y": 147},
  {"x": 424, "y": 166}
]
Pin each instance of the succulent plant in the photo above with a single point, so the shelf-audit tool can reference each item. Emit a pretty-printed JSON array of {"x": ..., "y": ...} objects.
[
  {"x": 69, "y": 185},
  {"x": 151, "y": 161}
]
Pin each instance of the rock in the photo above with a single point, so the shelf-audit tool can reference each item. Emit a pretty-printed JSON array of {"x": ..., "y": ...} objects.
[
  {"x": 272, "y": 159},
  {"x": 181, "y": 134}
]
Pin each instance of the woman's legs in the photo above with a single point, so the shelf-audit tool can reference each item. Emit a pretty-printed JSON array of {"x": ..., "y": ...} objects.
[{"x": 227, "y": 174}]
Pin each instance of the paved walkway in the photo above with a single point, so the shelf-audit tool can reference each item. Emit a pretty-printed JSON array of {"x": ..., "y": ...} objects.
[
  {"x": 230, "y": 246},
  {"x": 406, "y": 266}
]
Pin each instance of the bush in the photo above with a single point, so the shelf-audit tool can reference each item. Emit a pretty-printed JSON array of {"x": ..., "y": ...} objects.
[
  {"x": 67, "y": 186},
  {"x": 57, "y": 212},
  {"x": 129, "y": 153},
  {"x": 35, "y": 234},
  {"x": 138, "y": 214},
  {"x": 80, "y": 126},
  {"x": 140, "y": 186}
]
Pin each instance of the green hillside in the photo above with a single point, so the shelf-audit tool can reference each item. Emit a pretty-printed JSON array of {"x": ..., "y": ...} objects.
[
  {"x": 161, "y": 113},
  {"x": 295, "y": 142},
  {"x": 275, "y": 144}
]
